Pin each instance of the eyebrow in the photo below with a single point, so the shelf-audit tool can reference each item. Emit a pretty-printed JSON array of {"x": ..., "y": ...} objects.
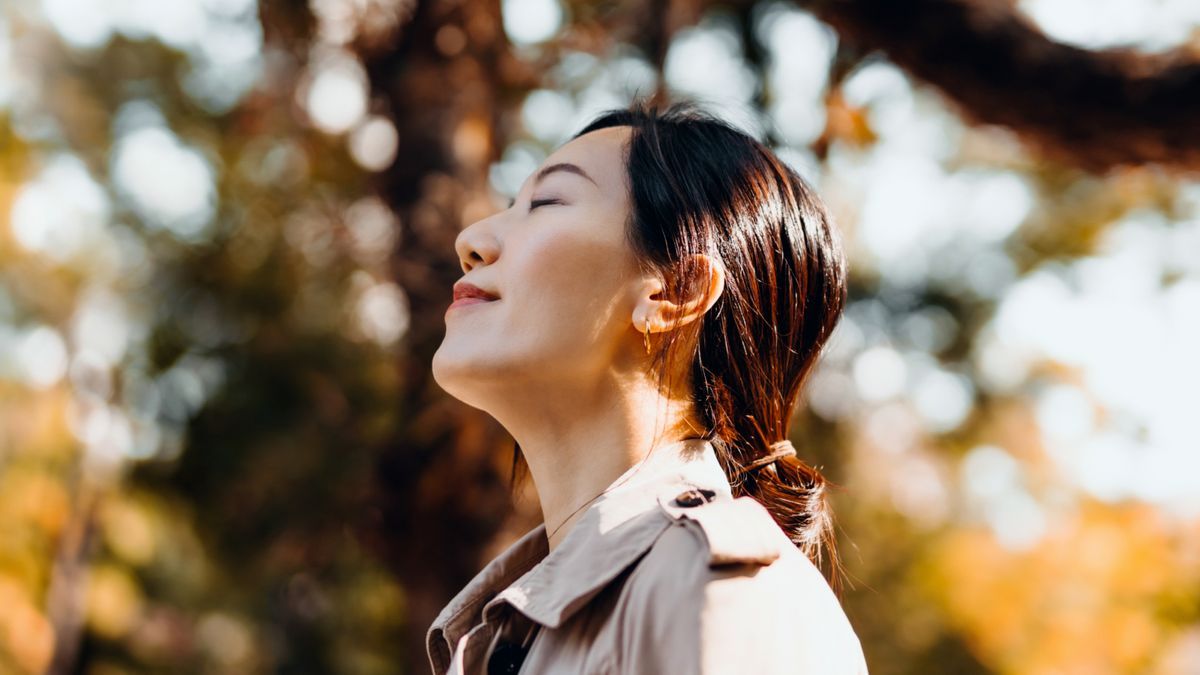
[{"x": 559, "y": 166}]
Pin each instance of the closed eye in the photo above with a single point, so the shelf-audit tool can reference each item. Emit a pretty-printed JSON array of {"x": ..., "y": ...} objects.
[{"x": 535, "y": 203}]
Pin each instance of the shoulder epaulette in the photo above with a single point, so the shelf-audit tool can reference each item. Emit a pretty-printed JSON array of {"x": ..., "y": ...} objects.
[{"x": 738, "y": 530}]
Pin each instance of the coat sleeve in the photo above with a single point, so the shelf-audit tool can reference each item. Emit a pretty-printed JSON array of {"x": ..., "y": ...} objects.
[{"x": 683, "y": 616}]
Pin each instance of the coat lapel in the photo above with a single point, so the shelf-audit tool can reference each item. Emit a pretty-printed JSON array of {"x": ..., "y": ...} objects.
[{"x": 614, "y": 532}]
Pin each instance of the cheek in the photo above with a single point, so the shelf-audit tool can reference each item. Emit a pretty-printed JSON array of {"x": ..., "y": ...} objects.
[{"x": 573, "y": 280}]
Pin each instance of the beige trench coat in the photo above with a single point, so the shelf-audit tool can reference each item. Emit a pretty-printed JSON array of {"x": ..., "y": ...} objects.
[{"x": 645, "y": 583}]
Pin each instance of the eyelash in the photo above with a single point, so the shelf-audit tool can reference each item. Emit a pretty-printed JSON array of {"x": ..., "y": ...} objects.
[{"x": 535, "y": 203}]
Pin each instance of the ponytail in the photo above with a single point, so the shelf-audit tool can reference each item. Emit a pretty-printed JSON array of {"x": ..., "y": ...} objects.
[{"x": 794, "y": 493}]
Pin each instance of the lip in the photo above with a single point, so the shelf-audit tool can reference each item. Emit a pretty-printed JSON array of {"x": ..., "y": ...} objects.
[
  {"x": 464, "y": 289},
  {"x": 468, "y": 300}
]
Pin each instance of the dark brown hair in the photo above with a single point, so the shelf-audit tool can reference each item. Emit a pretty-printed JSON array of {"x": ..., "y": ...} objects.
[{"x": 701, "y": 186}]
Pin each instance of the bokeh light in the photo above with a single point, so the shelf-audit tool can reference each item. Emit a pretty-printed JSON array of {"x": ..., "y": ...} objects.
[{"x": 226, "y": 238}]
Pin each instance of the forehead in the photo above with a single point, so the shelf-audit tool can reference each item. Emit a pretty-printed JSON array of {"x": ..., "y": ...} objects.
[{"x": 601, "y": 153}]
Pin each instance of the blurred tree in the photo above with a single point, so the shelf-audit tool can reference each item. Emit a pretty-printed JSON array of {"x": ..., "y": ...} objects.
[
  {"x": 309, "y": 498},
  {"x": 1092, "y": 108}
]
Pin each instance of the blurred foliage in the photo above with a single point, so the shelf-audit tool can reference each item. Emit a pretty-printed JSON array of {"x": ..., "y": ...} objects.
[{"x": 226, "y": 241}]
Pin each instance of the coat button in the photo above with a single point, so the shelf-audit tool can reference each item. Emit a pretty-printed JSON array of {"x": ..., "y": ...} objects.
[{"x": 695, "y": 497}]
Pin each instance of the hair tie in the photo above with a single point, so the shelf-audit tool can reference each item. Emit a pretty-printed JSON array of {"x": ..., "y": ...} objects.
[{"x": 780, "y": 449}]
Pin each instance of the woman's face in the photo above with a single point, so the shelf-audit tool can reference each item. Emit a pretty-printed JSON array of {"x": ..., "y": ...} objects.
[{"x": 566, "y": 280}]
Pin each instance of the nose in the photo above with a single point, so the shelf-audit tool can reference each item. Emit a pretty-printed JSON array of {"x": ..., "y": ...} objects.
[{"x": 476, "y": 244}]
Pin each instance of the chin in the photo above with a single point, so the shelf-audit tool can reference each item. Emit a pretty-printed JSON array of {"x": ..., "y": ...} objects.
[
  {"x": 455, "y": 375},
  {"x": 488, "y": 384},
  {"x": 441, "y": 370}
]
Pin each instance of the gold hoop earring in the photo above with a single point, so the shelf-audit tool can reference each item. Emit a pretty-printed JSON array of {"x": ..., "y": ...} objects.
[{"x": 647, "y": 336}]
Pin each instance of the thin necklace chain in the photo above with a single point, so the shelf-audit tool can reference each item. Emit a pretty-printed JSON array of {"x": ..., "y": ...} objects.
[
  {"x": 551, "y": 536},
  {"x": 602, "y": 493}
]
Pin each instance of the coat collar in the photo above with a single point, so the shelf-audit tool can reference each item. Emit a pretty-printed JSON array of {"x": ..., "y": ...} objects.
[{"x": 550, "y": 586}]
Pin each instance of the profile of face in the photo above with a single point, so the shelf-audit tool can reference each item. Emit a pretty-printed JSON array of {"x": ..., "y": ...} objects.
[{"x": 567, "y": 283}]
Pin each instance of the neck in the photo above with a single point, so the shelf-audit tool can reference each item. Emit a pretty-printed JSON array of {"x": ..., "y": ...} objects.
[{"x": 577, "y": 447}]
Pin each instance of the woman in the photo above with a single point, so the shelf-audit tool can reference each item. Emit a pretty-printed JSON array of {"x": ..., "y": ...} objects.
[{"x": 641, "y": 319}]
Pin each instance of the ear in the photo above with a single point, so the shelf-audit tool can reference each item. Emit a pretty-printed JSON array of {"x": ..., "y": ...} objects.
[{"x": 659, "y": 313}]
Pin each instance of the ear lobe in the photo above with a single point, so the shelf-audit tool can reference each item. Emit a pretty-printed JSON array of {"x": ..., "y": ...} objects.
[{"x": 648, "y": 305}]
